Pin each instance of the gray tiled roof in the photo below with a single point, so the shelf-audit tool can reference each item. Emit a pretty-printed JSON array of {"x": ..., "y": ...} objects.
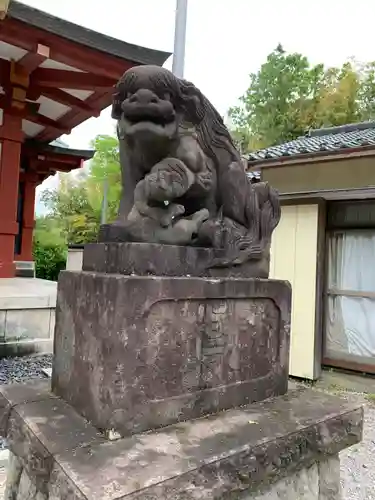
[
  {"x": 59, "y": 143},
  {"x": 253, "y": 175},
  {"x": 321, "y": 141},
  {"x": 60, "y": 147}
]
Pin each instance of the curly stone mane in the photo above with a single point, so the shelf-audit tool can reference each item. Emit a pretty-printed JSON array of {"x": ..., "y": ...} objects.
[
  {"x": 216, "y": 142},
  {"x": 196, "y": 109}
]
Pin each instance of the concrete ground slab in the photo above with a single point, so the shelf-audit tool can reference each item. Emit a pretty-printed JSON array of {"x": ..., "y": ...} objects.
[
  {"x": 27, "y": 316},
  {"x": 27, "y": 293},
  {"x": 337, "y": 381},
  {"x": 47, "y": 372}
]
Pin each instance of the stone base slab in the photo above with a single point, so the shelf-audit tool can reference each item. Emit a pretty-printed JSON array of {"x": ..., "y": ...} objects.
[
  {"x": 136, "y": 353},
  {"x": 144, "y": 259},
  {"x": 285, "y": 447}
]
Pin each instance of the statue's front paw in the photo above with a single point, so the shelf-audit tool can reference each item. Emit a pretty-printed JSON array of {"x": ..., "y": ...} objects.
[{"x": 172, "y": 211}]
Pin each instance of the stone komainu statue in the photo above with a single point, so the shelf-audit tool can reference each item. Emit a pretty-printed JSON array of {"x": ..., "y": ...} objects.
[{"x": 182, "y": 177}]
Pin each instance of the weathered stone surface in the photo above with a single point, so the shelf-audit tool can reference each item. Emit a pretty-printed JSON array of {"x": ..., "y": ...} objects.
[
  {"x": 238, "y": 451},
  {"x": 11, "y": 396},
  {"x": 14, "y": 473},
  {"x": 305, "y": 484},
  {"x": 135, "y": 353},
  {"x": 144, "y": 259},
  {"x": 37, "y": 424},
  {"x": 302, "y": 485},
  {"x": 20, "y": 485},
  {"x": 27, "y": 489},
  {"x": 183, "y": 180},
  {"x": 329, "y": 479},
  {"x": 321, "y": 481}
]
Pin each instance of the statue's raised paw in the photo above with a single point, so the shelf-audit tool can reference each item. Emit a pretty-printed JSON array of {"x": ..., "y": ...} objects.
[
  {"x": 171, "y": 212},
  {"x": 185, "y": 229}
]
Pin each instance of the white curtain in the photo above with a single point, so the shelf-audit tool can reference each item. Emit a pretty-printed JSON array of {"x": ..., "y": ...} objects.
[{"x": 350, "y": 321}]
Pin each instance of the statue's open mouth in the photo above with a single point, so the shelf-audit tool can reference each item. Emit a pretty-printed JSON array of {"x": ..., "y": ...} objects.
[
  {"x": 156, "y": 114},
  {"x": 142, "y": 118},
  {"x": 149, "y": 121}
]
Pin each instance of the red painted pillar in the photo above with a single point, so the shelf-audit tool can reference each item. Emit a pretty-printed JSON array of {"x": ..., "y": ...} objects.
[
  {"x": 11, "y": 137},
  {"x": 30, "y": 182}
]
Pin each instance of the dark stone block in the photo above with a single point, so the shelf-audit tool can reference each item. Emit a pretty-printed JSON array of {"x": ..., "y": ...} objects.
[
  {"x": 12, "y": 395},
  {"x": 38, "y": 425},
  {"x": 219, "y": 456},
  {"x": 136, "y": 353},
  {"x": 165, "y": 260}
]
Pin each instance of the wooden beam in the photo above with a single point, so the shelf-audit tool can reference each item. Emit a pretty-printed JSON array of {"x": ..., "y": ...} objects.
[
  {"x": 53, "y": 78},
  {"x": 44, "y": 157},
  {"x": 18, "y": 76},
  {"x": 47, "y": 122},
  {"x": 62, "y": 97},
  {"x": 4, "y": 67},
  {"x": 100, "y": 100},
  {"x": 18, "y": 108},
  {"x": 33, "y": 59},
  {"x": 351, "y": 293},
  {"x": 30, "y": 113},
  {"x": 43, "y": 167},
  {"x": 306, "y": 197},
  {"x": 65, "y": 51},
  {"x": 359, "y": 365},
  {"x": 4, "y": 5}
]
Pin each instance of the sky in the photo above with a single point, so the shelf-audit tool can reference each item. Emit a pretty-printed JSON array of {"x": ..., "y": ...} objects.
[{"x": 226, "y": 40}]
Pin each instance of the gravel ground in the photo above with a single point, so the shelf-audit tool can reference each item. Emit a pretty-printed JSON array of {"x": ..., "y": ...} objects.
[
  {"x": 358, "y": 462},
  {"x": 20, "y": 370}
]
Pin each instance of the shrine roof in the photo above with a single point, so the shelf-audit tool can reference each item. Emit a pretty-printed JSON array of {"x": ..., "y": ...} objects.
[
  {"x": 47, "y": 159},
  {"x": 319, "y": 142},
  {"x": 55, "y": 147},
  {"x": 85, "y": 36},
  {"x": 58, "y": 74}
]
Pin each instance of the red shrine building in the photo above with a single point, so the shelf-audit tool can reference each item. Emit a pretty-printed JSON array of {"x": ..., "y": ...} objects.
[{"x": 53, "y": 76}]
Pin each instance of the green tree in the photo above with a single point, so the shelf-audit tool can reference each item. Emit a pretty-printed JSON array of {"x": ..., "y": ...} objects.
[
  {"x": 49, "y": 248},
  {"x": 288, "y": 95},
  {"x": 69, "y": 205},
  {"x": 76, "y": 204},
  {"x": 105, "y": 168}
]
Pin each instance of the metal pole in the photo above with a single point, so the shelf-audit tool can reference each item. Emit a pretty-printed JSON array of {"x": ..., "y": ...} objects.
[
  {"x": 179, "y": 38},
  {"x": 105, "y": 201}
]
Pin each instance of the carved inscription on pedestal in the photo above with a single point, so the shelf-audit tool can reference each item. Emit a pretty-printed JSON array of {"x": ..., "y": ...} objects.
[
  {"x": 213, "y": 329},
  {"x": 213, "y": 340},
  {"x": 192, "y": 345}
]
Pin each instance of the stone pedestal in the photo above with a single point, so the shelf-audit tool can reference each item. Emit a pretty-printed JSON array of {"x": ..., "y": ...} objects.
[
  {"x": 150, "y": 259},
  {"x": 171, "y": 383},
  {"x": 135, "y": 353}
]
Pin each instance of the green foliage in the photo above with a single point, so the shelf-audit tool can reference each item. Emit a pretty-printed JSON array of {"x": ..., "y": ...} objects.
[
  {"x": 49, "y": 249},
  {"x": 105, "y": 167},
  {"x": 75, "y": 208},
  {"x": 288, "y": 95},
  {"x": 76, "y": 204},
  {"x": 69, "y": 205}
]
